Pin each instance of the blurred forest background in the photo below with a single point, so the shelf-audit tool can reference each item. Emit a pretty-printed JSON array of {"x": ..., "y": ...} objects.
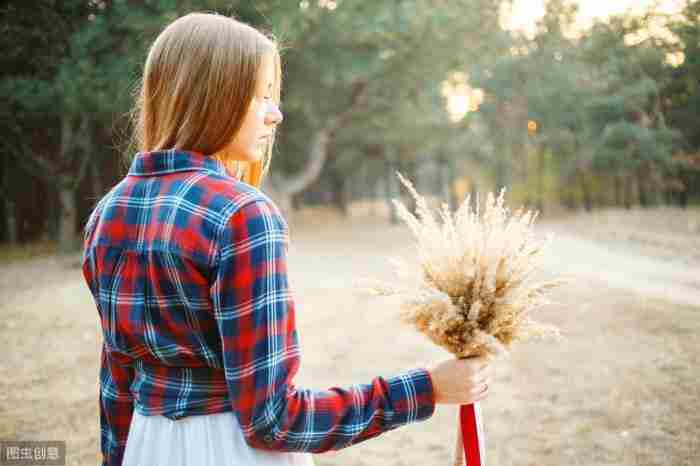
[
  {"x": 567, "y": 116},
  {"x": 582, "y": 109}
]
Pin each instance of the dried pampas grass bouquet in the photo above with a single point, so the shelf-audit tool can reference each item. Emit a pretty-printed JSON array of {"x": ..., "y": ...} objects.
[{"x": 474, "y": 294}]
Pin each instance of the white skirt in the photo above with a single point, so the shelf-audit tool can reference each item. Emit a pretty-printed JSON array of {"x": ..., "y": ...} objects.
[{"x": 205, "y": 440}]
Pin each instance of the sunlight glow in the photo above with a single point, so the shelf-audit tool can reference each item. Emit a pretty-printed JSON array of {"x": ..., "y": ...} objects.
[
  {"x": 460, "y": 97},
  {"x": 675, "y": 59},
  {"x": 329, "y": 4},
  {"x": 523, "y": 15}
]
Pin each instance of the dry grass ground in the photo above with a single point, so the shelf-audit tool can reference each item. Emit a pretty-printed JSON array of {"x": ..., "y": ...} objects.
[
  {"x": 622, "y": 389},
  {"x": 666, "y": 233}
]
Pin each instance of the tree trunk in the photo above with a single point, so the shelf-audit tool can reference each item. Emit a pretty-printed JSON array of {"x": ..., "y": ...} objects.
[
  {"x": 68, "y": 217},
  {"x": 95, "y": 179},
  {"x": 619, "y": 196},
  {"x": 657, "y": 179},
  {"x": 567, "y": 193},
  {"x": 10, "y": 220},
  {"x": 281, "y": 189},
  {"x": 64, "y": 176},
  {"x": 627, "y": 182},
  {"x": 339, "y": 193},
  {"x": 345, "y": 197},
  {"x": 586, "y": 192},
  {"x": 641, "y": 187},
  {"x": 683, "y": 199},
  {"x": 379, "y": 194},
  {"x": 8, "y": 205},
  {"x": 53, "y": 213},
  {"x": 541, "y": 161},
  {"x": 643, "y": 184}
]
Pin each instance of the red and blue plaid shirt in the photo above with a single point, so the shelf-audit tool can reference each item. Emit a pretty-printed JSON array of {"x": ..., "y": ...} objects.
[{"x": 188, "y": 270}]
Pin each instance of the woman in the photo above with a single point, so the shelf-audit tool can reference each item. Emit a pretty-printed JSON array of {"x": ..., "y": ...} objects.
[{"x": 186, "y": 260}]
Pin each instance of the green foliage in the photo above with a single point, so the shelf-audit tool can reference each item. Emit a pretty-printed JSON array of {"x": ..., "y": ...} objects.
[
  {"x": 377, "y": 67},
  {"x": 682, "y": 90},
  {"x": 597, "y": 100},
  {"x": 370, "y": 72}
]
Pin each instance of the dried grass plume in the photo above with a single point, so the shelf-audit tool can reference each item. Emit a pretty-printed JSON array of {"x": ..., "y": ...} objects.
[{"x": 475, "y": 294}]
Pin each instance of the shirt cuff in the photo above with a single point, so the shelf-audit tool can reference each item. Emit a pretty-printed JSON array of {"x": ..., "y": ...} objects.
[{"x": 412, "y": 397}]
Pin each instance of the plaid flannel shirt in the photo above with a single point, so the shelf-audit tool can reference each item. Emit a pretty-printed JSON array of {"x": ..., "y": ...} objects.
[{"x": 187, "y": 267}]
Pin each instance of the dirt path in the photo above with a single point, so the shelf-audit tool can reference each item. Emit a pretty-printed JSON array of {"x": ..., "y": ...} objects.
[
  {"x": 622, "y": 390},
  {"x": 624, "y": 267}
]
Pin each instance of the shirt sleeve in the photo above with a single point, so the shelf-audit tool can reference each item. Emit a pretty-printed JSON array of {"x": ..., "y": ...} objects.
[
  {"x": 116, "y": 406},
  {"x": 255, "y": 315},
  {"x": 115, "y": 398}
]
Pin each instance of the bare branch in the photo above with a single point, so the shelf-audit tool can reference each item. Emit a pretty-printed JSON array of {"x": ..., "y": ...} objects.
[{"x": 314, "y": 165}]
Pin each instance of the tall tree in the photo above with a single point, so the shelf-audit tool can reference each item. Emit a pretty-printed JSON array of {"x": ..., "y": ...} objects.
[
  {"x": 77, "y": 78},
  {"x": 682, "y": 100},
  {"x": 351, "y": 65}
]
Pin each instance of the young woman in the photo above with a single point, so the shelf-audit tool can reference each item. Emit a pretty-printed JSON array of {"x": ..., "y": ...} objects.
[{"x": 186, "y": 260}]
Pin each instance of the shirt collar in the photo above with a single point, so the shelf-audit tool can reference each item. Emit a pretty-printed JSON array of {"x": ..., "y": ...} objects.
[{"x": 162, "y": 162}]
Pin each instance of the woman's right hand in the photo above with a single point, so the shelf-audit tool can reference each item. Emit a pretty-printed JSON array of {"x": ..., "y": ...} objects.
[{"x": 460, "y": 381}]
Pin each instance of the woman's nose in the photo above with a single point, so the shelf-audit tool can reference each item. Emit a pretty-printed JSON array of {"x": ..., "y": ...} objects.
[{"x": 273, "y": 115}]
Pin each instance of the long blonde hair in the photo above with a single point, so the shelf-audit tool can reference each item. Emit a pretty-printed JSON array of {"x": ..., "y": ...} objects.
[{"x": 200, "y": 76}]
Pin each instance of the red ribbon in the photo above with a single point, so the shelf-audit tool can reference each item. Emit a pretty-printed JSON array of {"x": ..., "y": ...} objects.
[{"x": 472, "y": 435}]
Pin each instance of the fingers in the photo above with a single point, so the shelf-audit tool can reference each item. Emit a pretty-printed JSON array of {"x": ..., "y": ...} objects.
[
  {"x": 479, "y": 376},
  {"x": 459, "y": 381},
  {"x": 480, "y": 384},
  {"x": 476, "y": 389},
  {"x": 482, "y": 395},
  {"x": 483, "y": 388},
  {"x": 483, "y": 381},
  {"x": 476, "y": 372}
]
